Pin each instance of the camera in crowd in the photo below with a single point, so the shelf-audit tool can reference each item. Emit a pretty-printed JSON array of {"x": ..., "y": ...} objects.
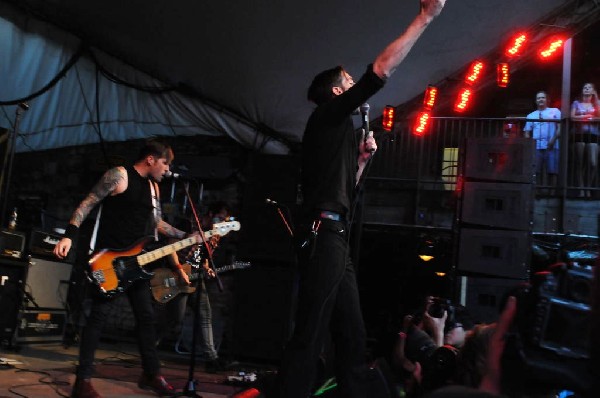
[
  {"x": 438, "y": 306},
  {"x": 553, "y": 339}
]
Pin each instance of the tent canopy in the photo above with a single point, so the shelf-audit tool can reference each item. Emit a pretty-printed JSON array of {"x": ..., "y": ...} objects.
[{"x": 129, "y": 69}]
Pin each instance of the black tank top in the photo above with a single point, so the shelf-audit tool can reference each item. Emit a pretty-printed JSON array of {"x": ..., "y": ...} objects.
[{"x": 128, "y": 216}]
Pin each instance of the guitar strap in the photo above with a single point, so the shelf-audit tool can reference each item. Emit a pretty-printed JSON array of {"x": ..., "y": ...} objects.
[
  {"x": 155, "y": 193},
  {"x": 95, "y": 233}
]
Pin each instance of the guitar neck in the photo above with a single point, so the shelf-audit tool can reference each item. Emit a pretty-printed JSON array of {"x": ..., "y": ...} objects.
[{"x": 161, "y": 252}]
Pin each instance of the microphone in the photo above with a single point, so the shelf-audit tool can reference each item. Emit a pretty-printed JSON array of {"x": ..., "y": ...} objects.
[
  {"x": 270, "y": 201},
  {"x": 175, "y": 176},
  {"x": 364, "y": 112}
]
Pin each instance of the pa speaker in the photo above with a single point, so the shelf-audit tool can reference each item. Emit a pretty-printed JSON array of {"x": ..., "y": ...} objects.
[
  {"x": 483, "y": 297},
  {"x": 12, "y": 280},
  {"x": 499, "y": 205},
  {"x": 500, "y": 159},
  {"x": 48, "y": 283},
  {"x": 495, "y": 252}
]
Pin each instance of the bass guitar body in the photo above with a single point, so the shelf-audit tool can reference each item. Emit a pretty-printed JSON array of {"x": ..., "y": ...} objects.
[{"x": 113, "y": 271}]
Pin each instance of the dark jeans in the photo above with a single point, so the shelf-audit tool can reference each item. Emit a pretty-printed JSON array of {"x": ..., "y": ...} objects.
[
  {"x": 141, "y": 304},
  {"x": 328, "y": 301}
]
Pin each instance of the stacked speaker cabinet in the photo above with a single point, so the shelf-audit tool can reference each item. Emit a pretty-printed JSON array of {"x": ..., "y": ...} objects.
[
  {"x": 43, "y": 317},
  {"x": 13, "y": 273},
  {"x": 494, "y": 220}
]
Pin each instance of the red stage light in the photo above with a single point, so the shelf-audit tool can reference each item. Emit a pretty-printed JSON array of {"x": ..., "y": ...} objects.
[
  {"x": 462, "y": 102},
  {"x": 430, "y": 96},
  {"x": 421, "y": 124},
  {"x": 551, "y": 48},
  {"x": 249, "y": 393},
  {"x": 474, "y": 72},
  {"x": 516, "y": 45},
  {"x": 387, "y": 120},
  {"x": 502, "y": 74}
]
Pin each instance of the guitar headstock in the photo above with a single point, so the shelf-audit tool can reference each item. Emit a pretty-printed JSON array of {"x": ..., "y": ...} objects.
[{"x": 223, "y": 228}]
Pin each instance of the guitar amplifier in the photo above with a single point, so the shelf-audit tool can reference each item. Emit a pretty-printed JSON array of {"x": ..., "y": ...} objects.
[
  {"x": 41, "y": 244},
  {"x": 12, "y": 244},
  {"x": 41, "y": 325}
]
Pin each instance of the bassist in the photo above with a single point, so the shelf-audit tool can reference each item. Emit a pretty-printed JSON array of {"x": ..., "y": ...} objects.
[{"x": 130, "y": 211}]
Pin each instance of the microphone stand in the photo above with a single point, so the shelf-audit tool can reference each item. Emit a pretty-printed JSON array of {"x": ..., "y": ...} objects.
[{"x": 190, "y": 386}]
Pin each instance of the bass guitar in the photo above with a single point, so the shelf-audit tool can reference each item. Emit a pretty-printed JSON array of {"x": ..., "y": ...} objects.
[
  {"x": 113, "y": 271},
  {"x": 166, "y": 285}
]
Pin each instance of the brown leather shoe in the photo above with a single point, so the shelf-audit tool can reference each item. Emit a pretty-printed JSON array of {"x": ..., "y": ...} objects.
[
  {"x": 83, "y": 389},
  {"x": 156, "y": 383}
]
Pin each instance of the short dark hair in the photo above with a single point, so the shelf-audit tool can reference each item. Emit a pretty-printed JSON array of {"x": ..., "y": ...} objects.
[
  {"x": 155, "y": 147},
  {"x": 319, "y": 91}
]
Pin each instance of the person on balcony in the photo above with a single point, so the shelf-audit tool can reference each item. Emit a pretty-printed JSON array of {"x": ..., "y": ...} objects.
[
  {"x": 543, "y": 125},
  {"x": 584, "y": 136}
]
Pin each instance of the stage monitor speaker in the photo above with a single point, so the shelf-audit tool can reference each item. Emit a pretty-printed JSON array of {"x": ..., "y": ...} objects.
[
  {"x": 483, "y": 297},
  {"x": 12, "y": 279},
  {"x": 499, "y": 205},
  {"x": 500, "y": 159},
  {"x": 495, "y": 252},
  {"x": 48, "y": 282}
]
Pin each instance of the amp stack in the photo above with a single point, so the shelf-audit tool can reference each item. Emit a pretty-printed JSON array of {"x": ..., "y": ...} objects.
[
  {"x": 494, "y": 221},
  {"x": 33, "y": 289}
]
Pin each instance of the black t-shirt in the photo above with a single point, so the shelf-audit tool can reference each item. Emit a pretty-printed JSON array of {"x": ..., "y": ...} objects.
[{"x": 330, "y": 148}]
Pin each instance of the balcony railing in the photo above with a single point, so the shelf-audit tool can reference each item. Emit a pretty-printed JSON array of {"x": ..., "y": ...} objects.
[
  {"x": 412, "y": 180},
  {"x": 432, "y": 160}
]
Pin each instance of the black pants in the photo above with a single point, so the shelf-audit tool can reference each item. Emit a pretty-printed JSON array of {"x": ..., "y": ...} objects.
[
  {"x": 141, "y": 303},
  {"x": 328, "y": 301}
]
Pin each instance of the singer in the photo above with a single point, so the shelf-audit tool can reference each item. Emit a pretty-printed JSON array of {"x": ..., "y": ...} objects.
[{"x": 333, "y": 158}]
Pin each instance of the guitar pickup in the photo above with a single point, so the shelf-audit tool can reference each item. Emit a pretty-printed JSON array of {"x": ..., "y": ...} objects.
[{"x": 98, "y": 276}]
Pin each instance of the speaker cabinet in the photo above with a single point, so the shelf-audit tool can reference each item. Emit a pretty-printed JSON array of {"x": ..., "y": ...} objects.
[
  {"x": 495, "y": 252},
  {"x": 48, "y": 282},
  {"x": 483, "y": 297},
  {"x": 500, "y": 159},
  {"x": 12, "y": 280},
  {"x": 498, "y": 205}
]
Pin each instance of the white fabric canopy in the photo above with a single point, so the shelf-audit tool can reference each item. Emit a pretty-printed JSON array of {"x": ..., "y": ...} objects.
[{"x": 246, "y": 66}]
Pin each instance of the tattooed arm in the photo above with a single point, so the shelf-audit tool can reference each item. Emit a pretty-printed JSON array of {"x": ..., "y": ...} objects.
[
  {"x": 164, "y": 228},
  {"x": 113, "y": 182}
]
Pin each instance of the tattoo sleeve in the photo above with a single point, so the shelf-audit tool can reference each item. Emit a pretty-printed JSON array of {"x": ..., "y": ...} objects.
[
  {"x": 107, "y": 184},
  {"x": 167, "y": 229}
]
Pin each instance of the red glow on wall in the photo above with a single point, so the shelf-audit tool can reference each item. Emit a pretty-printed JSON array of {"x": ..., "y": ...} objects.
[
  {"x": 516, "y": 45},
  {"x": 387, "y": 120},
  {"x": 430, "y": 96},
  {"x": 421, "y": 124},
  {"x": 462, "y": 102},
  {"x": 502, "y": 74},
  {"x": 474, "y": 72},
  {"x": 552, "y": 47}
]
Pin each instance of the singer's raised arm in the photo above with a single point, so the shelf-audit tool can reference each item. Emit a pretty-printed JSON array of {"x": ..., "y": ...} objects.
[{"x": 387, "y": 61}]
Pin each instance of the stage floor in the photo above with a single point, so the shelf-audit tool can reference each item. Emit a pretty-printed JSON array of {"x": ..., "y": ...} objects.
[{"x": 47, "y": 370}]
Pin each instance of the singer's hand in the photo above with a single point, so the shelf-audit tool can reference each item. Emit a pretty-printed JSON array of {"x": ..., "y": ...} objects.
[
  {"x": 367, "y": 146},
  {"x": 432, "y": 8}
]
